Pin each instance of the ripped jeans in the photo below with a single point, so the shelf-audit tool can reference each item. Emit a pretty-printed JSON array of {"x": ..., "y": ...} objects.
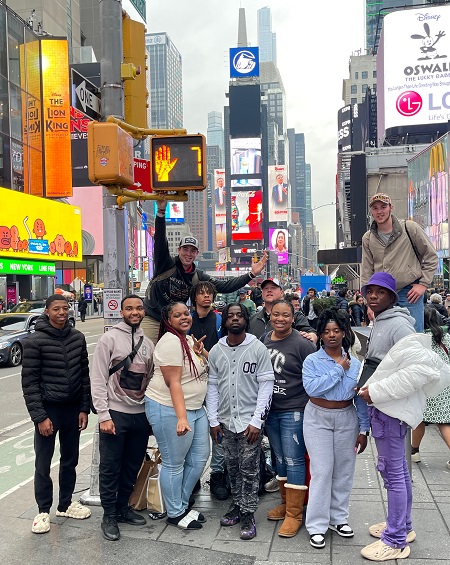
[
  {"x": 389, "y": 434},
  {"x": 285, "y": 433}
]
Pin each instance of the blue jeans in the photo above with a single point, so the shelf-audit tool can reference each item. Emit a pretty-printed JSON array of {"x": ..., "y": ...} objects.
[
  {"x": 285, "y": 433},
  {"x": 389, "y": 434},
  {"x": 416, "y": 310},
  {"x": 183, "y": 457}
]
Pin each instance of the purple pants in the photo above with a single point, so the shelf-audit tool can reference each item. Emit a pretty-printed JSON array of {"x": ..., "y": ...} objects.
[{"x": 389, "y": 434}]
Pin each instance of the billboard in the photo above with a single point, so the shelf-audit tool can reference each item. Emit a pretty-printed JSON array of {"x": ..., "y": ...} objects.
[
  {"x": 174, "y": 212},
  {"x": 246, "y": 216},
  {"x": 416, "y": 67},
  {"x": 245, "y": 156},
  {"x": 428, "y": 193},
  {"x": 36, "y": 228},
  {"x": 278, "y": 242},
  {"x": 90, "y": 201},
  {"x": 56, "y": 118},
  {"x": 31, "y": 118},
  {"x": 220, "y": 210},
  {"x": 245, "y": 110},
  {"x": 345, "y": 129},
  {"x": 278, "y": 193},
  {"x": 244, "y": 62}
]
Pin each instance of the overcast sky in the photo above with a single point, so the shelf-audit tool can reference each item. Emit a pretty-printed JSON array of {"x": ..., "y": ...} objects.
[{"x": 314, "y": 43}]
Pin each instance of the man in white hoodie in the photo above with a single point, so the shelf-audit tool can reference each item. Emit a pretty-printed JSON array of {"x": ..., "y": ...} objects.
[{"x": 122, "y": 368}]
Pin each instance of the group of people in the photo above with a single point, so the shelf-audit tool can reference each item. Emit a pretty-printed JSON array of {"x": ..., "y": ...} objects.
[{"x": 178, "y": 375}]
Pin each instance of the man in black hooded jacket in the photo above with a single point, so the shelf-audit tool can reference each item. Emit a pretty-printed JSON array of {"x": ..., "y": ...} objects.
[
  {"x": 56, "y": 389},
  {"x": 174, "y": 277}
]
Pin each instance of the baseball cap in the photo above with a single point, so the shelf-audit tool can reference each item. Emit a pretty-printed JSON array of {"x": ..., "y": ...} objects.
[
  {"x": 385, "y": 280},
  {"x": 242, "y": 291},
  {"x": 274, "y": 281},
  {"x": 189, "y": 240},
  {"x": 379, "y": 197}
]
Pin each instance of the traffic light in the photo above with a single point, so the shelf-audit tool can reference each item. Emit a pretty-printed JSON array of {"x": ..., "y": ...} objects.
[
  {"x": 178, "y": 162},
  {"x": 134, "y": 72}
]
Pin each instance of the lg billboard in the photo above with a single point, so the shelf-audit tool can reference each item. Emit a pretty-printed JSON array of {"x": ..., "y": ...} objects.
[{"x": 415, "y": 53}]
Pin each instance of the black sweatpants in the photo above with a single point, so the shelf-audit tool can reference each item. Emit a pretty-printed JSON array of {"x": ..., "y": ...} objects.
[
  {"x": 65, "y": 422},
  {"x": 121, "y": 457}
]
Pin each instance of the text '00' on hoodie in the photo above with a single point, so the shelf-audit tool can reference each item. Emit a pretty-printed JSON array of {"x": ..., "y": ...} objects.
[{"x": 116, "y": 392}]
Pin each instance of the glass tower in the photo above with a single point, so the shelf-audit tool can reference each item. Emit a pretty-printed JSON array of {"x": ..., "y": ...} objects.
[{"x": 267, "y": 40}]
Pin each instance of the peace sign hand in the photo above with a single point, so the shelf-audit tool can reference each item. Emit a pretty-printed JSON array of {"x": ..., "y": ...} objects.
[{"x": 199, "y": 348}]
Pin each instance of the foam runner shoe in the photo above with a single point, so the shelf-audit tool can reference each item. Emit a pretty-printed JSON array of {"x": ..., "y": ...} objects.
[
  {"x": 41, "y": 524},
  {"x": 379, "y": 551},
  {"x": 76, "y": 510},
  {"x": 377, "y": 529}
]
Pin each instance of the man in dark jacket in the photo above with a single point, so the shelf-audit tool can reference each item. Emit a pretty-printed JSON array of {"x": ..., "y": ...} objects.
[
  {"x": 260, "y": 322},
  {"x": 174, "y": 276},
  {"x": 56, "y": 389},
  {"x": 82, "y": 307}
]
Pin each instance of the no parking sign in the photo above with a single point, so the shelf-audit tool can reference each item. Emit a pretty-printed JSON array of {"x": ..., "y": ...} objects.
[{"x": 112, "y": 297}]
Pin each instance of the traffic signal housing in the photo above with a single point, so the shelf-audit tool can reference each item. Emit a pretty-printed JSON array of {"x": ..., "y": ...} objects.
[
  {"x": 134, "y": 73},
  {"x": 178, "y": 162}
]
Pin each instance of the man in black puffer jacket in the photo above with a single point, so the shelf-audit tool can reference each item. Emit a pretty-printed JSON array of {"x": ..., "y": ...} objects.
[{"x": 56, "y": 388}]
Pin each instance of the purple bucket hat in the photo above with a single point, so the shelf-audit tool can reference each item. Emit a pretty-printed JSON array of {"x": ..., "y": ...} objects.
[{"x": 382, "y": 279}]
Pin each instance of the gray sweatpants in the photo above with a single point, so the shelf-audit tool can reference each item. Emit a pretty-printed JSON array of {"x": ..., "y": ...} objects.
[{"x": 330, "y": 437}]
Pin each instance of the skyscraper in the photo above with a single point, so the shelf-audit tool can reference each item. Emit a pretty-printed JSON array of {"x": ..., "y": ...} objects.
[
  {"x": 375, "y": 10},
  {"x": 166, "y": 82},
  {"x": 214, "y": 135},
  {"x": 267, "y": 40}
]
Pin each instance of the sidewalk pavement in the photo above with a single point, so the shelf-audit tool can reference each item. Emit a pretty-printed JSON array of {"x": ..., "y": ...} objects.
[{"x": 79, "y": 542}]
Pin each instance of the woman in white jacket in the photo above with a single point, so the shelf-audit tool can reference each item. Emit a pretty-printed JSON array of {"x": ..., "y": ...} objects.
[{"x": 396, "y": 392}]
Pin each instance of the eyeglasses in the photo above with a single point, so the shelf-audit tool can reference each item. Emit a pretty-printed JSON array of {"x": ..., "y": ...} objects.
[{"x": 235, "y": 315}]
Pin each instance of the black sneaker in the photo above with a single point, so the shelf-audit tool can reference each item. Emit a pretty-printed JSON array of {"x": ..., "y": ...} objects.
[
  {"x": 198, "y": 486},
  {"x": 217, "y": 485},
  {"x": 248, "y": 526},
  {"x": 129, "y": 516},
  {"x": 232, "y": 517},
  {"x": 110, "y": 528}
]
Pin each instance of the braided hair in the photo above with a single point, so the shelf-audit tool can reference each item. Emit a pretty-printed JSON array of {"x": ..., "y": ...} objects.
[
  {"x": 343, "y": 322},
  {"x": 165, "y": 327}
]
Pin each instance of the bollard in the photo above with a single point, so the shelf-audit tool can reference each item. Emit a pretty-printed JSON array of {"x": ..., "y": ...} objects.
[{"x": 92, "y": 496}]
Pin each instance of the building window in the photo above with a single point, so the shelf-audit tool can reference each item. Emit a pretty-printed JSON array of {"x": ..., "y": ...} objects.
[
  {"x": 354, "y": 89},
  {"x": 374, "y": 87},
  {"x": 374, "y": 74},
  {"x": 354, "y": 101},
  {"x": 356, "y": 75},
  {"x": 364, "y": 74},
  {"x": 364, "y": 88}
]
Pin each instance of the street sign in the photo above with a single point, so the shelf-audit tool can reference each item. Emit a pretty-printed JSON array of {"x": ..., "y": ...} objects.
[
  {"x": 112, "y": 297},
  {"x": 141, "y": 175},
  {"x": 84, "y": 95}
]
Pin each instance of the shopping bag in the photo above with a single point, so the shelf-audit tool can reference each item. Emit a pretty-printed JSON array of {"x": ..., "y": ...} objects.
[
  {"x": 138, "y": 498},
  {"x": 155, "y": 501}
]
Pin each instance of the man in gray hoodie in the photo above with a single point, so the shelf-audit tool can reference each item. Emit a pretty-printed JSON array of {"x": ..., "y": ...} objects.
[{"x": 122, "y": 368}]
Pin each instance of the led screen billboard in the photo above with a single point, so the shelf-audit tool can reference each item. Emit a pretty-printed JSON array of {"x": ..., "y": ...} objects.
[
  {"x": 220, "y": 208},
  {"x": 245, "y": 156},
  {"x": 278, "y": 242},
  {"x": 246, "y": 215},
  {"x": 174, "y": 212},
  {"x": 278, "y": 194},
  {"x": 245, "y": 110},
  {"x": 416, "y": 67}
]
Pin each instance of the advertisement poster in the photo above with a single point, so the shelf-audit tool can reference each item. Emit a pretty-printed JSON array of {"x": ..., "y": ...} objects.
[
  {"x": 278, "y": 194},
  {"x": 246, "y": 216},
  {"x": 36, "y": 228},
  {"x": 174, "y": 212},
  {"x": 245, "y": 156},
  {"x": 278, "y": 242},
  {"x": 220, "y": 210}
]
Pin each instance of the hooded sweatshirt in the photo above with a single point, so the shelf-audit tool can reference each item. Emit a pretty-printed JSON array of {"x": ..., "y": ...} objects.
[
  {"x": 388, "y": 328},
  {"x": 116, "y": 392}
]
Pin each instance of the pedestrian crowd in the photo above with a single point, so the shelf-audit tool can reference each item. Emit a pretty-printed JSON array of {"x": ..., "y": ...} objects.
[{"x": 216, "y": 381}]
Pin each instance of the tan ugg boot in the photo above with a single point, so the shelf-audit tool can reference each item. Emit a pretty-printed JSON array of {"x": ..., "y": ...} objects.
[
  {"x": 295, "y": 496},
  {"x": 279, "y": 512}
]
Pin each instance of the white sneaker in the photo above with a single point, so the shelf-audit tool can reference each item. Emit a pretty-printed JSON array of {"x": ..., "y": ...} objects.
[
  {"x": 448, "y": 465},
  {"x": 272, "y": 485},
  {"x": 415, "y": 457},
  {"x": 41, "y": 524},
  {"x": 76, "y": 510}
]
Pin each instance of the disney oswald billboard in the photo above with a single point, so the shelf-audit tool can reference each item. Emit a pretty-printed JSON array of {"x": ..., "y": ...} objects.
[
  {"x": 414, "y": 74},
  {"x": 36, "y": 228}
]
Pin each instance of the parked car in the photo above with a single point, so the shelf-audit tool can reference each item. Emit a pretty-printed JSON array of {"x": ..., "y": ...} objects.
[
  {"x": 38, "y": 306},
  {"x": 14, "y": 328}
]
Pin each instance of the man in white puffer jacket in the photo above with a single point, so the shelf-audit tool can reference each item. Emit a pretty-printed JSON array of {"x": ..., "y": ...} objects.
[{"x": 396, "y": 392}]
